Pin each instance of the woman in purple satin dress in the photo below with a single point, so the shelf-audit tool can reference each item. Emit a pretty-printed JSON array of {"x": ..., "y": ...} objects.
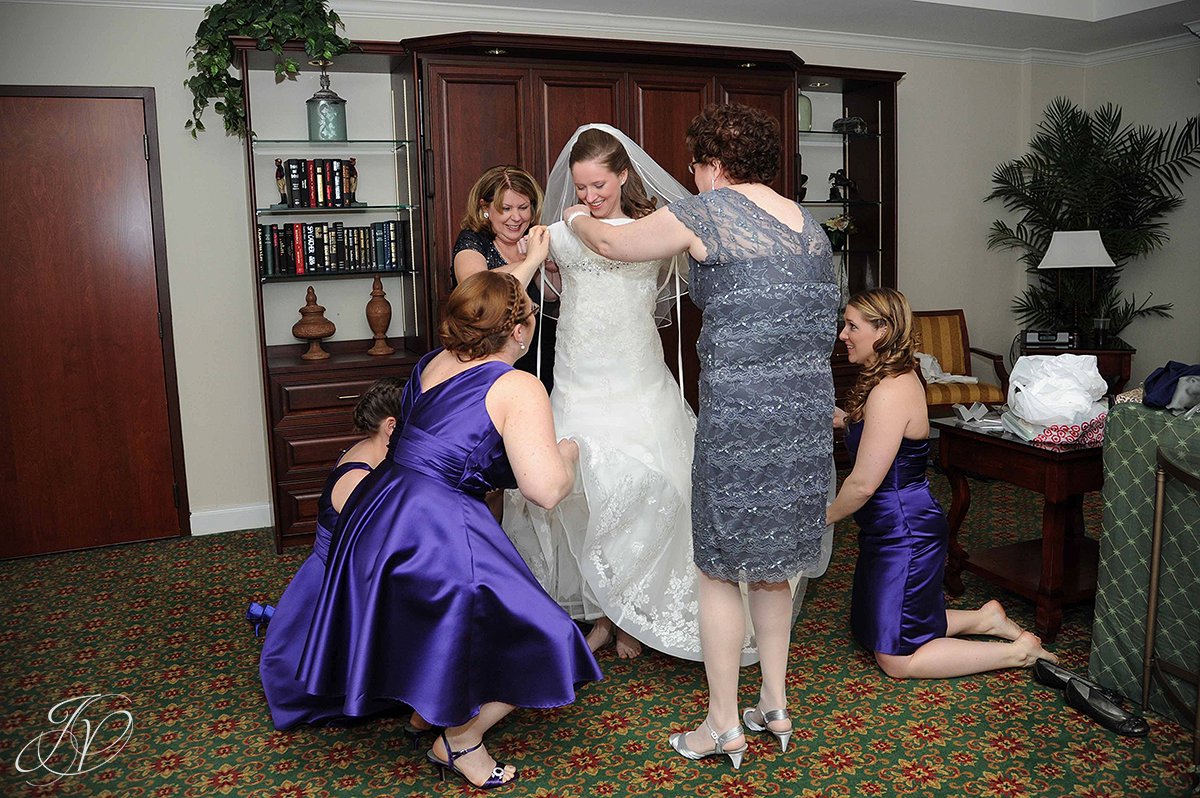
[
  {"x": 425, "y": 600},
  {"x": 898, "y": 610},
  {"x": 375, "y": 414}
]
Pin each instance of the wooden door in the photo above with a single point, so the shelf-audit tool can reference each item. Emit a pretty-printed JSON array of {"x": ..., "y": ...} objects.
[
  {"x": 564, "y": 99},
  {"x": 478, "y": 116},
  {"x": 662, "y": 107},
  {"x": 90, "y": 451},
  {"x": 776, "y": 95}
]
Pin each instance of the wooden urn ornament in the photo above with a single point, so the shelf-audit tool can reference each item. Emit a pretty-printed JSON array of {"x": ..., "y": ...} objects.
[
  {"x": 379, "y": 316},
  {"x": 313, "y": 326}
]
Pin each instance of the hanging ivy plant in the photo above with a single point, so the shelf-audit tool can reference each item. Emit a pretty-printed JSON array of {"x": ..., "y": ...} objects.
[
  {"x": 272, "y": 24},
  {"x": 1088, "y": 171}
]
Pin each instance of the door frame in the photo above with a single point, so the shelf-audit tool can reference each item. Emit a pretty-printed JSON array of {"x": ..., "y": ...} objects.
[{"x": 162, "y": 288}]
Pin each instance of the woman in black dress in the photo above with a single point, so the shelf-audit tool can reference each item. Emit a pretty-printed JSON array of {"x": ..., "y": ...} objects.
[{"x": 501, "y": 206}]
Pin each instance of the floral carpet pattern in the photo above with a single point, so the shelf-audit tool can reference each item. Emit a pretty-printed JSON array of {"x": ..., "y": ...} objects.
[{"x": 156, "y": 632}]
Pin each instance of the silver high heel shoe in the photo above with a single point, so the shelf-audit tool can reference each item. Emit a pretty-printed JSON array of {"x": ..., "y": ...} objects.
[
  {"x": 767, "y": 717},
  {"x": 679, "y": 743}
]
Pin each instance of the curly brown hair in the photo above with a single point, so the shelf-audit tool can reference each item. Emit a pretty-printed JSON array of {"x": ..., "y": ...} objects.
[
  {"x": 604, "y": 148},
  {"x": 481, "y": 313},
  {"x": 488, "y": 192},
  {"x": 745, "y": 140},
  {"x": 895, "y": 352},
  {"x": 378, "y": 402}
]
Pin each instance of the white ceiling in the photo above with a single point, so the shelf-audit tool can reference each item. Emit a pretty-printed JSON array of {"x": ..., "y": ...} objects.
[{"x": 1071, "y": 26}]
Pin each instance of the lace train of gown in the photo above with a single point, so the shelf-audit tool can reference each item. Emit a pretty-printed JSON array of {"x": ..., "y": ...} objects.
[{"x": 620, "y": 545}]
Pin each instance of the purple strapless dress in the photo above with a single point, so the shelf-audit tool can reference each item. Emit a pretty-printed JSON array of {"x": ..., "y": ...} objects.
[
  {"x": 425, "y": 600},
  {"x": 898, "y": 605},
  {"x": 289, "y": 703}
]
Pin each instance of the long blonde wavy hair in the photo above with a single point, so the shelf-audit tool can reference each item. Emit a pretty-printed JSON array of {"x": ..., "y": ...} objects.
[{"x": 895, "y": 353}]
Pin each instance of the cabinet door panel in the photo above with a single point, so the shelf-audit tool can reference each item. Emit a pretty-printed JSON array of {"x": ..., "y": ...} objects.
[
  {"x": 478, "y": 117},
  {"x": 662, "y": 107},
  {"x": 566, "y": 99},
  {"x": 777, "y": 96}
]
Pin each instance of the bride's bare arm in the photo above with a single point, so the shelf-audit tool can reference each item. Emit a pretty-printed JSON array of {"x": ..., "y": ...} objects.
[{"x": 659, "y": 235}]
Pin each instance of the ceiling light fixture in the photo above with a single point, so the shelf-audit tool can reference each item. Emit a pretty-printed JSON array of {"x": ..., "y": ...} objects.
[{"x": 818, "y": 84}]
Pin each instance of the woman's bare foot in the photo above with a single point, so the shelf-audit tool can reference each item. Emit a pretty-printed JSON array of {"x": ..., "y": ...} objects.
[
  {"x": 627, "y": 646},
  {"x": 476, "y": 766},
  {"x": 601, "y": 634},
  {"x": 997, "y": 623},
  {"x": 1029, "y": 650},
  {"x": 417, "y": 723}
]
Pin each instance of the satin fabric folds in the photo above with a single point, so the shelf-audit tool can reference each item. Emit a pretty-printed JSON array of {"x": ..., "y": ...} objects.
[
  {"x": 898, "y": 604},
  {"x": 425, "y": 600}
]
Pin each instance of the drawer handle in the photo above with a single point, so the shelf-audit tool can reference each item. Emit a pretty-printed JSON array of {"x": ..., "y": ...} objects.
[{"x": 351, "y": 396}]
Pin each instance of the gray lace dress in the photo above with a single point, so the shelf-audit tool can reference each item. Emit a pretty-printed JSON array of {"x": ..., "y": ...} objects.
[{"x": 761, "y": 471}]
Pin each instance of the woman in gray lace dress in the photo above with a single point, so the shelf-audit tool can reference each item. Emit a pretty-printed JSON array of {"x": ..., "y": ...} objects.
[{"x": 763, "y": 278}]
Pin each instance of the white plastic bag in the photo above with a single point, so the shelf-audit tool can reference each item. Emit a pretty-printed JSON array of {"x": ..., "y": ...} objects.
[{"x": 1056, "y": 389}]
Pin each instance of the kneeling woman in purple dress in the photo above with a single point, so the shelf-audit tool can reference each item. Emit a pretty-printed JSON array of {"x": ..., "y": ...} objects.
[
  {"x": 375, "y": 414},
  {"x": 425, "y": 601},
  {"x": 898, "y": 610}
]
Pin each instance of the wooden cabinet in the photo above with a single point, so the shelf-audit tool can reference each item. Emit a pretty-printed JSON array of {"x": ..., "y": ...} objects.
[
  {"x": 310, "y": 407},
  {"x": 309, "y": 404},
  {"x": 867, "y": 258},
  {"x": 497, "y": 98}
]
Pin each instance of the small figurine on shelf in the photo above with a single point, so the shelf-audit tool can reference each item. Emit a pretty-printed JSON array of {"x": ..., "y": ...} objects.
[
  {"x": 350, "y": 173},
  {"x": 379, "y": 316},
  {"x": 840, "y": 186},
  {"x": 313, "y": 326},
  {"x": 281, "y": 184}
]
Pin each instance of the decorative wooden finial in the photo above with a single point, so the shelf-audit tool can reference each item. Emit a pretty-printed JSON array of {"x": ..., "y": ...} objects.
[
  {"x": 313, "y": 326},
  {"x": 379, "y": 316}
]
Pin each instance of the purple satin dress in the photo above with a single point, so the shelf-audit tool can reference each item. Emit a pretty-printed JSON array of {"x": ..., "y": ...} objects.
[
  {"x": 898, "y": 604},
  {"x": 289, "y": 703},
  {"x": 425, "y": 600}
]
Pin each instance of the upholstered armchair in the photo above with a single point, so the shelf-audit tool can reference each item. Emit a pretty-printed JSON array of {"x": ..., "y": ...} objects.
[{"x": 943, "y": 334}]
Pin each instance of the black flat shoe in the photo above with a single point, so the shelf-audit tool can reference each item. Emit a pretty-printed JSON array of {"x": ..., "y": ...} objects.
[
  {"x": 1100, "y": 708},
  {"x": 1047, "y": 673}
]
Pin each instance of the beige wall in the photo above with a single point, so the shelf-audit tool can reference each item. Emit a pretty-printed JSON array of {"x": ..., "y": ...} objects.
[
  {"x": 1159, "y": 91},
  {"x": 958, "y": 118}
]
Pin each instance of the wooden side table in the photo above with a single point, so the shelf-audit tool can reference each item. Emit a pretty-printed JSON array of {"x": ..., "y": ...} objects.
[
  {"x": 1056, "y": 569},
  {"x": 1114, "y": 359},
  {"x": 1184, "y": 467}
]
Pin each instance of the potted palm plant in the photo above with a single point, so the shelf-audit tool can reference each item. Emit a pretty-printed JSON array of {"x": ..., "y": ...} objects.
[
  {"x": 272, "y": 23},
  {"x": 1088, "y": 171}
]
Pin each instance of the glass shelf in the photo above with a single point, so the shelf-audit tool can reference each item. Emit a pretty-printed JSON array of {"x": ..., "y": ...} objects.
[
  {"x": 295, "y": 278},
  {"x": 328, "y": 211},
  {"x": 822, "y": 134},
  {"x": 356, "y": 147}
]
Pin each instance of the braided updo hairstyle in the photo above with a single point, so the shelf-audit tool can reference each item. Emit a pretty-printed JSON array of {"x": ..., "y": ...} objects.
[
  {"x": 895, "y": 352},
  {"x": 378, "y": 402},
  {"x": 481, "y": 313}
]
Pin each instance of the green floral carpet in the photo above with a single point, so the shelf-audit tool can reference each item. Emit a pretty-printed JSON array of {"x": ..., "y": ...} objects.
[{"x": 161, "y": 624}]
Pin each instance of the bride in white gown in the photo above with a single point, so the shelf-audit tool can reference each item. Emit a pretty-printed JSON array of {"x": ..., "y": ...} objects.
[{"x": 618, "y": 551}]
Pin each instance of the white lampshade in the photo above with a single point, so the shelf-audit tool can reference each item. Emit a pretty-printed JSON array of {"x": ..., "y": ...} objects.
[{"x": 1077, "y": 249}]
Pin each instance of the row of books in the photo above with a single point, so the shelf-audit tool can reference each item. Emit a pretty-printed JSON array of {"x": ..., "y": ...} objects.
[
  {"x": 332, "y": 248},
  {"x": 317, "y": 182}
]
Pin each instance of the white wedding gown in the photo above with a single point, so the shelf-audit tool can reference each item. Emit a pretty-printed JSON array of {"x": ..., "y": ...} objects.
[{"x": 621, "y": 544}]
